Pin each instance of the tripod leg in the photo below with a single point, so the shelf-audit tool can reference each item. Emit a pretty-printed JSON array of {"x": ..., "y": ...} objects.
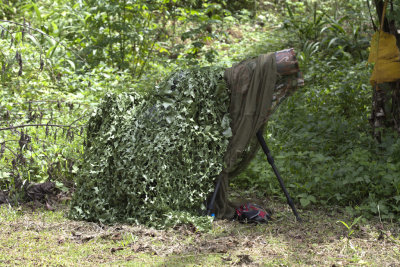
[
  {"x": 272, "y": 163},
  {"x": 211, "y": 205}
]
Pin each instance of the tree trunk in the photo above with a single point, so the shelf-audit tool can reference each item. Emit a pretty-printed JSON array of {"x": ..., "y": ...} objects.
[{"x": 386, "y": 101}]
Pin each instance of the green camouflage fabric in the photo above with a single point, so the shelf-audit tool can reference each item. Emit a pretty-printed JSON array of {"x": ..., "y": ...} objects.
[{"x": 152, "y": 160}]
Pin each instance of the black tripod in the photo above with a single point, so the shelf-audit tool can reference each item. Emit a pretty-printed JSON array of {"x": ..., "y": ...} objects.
[{"x": 272, "y": 163}]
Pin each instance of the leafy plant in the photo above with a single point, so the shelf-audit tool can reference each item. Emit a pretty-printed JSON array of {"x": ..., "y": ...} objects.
[
  {"x": 306, "y": 199},
  {"x": 309, "y": 51},
  {"x": 307, "y": 26},
  {"x": 317, "y": 26},
  {"x": 345, "y": 37},
  {"x": 350, "y": 228}
]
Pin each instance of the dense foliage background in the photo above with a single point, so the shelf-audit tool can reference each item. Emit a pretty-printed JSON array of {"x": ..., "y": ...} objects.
[{"x": 59, "y": 58}]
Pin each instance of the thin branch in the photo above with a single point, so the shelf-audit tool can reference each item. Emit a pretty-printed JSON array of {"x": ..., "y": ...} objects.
[
  {"x": 148, "y": 54},
  {"x": 41, "y": 125},
  {"x": 78, "y": 119},
  {"x": 15, "y": 154},
  {"x": 370, "y": 15},
  {"x": 9, "y": 141}
]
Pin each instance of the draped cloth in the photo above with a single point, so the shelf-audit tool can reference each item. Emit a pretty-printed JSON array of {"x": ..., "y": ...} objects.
[{"x": 251, "y": 84}]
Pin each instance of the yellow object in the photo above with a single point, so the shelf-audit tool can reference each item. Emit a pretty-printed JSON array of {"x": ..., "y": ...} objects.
[{"x": 386, "y": 56}]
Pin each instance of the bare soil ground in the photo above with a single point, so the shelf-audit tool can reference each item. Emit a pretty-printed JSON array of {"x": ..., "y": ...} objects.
[{"x": 41, "y": 237}]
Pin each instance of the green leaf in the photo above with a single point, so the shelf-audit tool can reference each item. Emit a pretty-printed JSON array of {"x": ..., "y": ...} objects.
[
  {"x": 34, "y": 40},
  {"x": 345, "y": 224},
  {"x": 37, "y": 11},
  {"x": 304, "y": 202},
  {"x": 50, "y": 52}
]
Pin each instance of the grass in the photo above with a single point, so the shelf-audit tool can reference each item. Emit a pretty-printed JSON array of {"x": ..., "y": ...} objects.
[{"x": 41, "y": 237}]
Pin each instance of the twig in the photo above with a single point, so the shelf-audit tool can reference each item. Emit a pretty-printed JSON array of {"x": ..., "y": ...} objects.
[
  {"x": 55, "y": 101},
  {"x": 370, "y": 15},
  {"x": 5, "y": 141},
  {"x": 78, "y": 119},
  {"x": 148, "y": 54},
  {"x": 15, "y": 154},
  {"x": 42, "y": 125}
]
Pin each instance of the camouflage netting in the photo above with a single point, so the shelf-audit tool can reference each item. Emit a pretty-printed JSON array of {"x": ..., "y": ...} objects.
[
  {"x": 147, "y": 157},
  {"x": 154, "y": 160}
]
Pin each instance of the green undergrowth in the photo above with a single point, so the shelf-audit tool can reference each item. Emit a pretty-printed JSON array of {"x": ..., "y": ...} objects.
[{"x": 320, "y": 136}]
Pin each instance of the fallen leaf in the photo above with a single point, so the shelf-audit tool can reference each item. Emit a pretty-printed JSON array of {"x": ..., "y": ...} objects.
[
  {"x": 116, "y": 237},
  {"x": 112, "y": 250},
  {"x": 244, "y": 259},
  {"x": 49, "y": 207},
  {"x": 228, "y": 258}
]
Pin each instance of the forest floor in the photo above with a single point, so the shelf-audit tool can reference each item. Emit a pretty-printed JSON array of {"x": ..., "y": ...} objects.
[{"x": 37, "y": 236}]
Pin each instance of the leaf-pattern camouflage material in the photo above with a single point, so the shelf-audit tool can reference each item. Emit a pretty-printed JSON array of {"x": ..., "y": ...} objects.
[
  {"x": 154, "y": 160},
  {"x": 147, "y": 157}
]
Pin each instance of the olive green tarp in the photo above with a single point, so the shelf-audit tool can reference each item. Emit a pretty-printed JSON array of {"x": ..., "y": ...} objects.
[{"x": 252, "y": 83}]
